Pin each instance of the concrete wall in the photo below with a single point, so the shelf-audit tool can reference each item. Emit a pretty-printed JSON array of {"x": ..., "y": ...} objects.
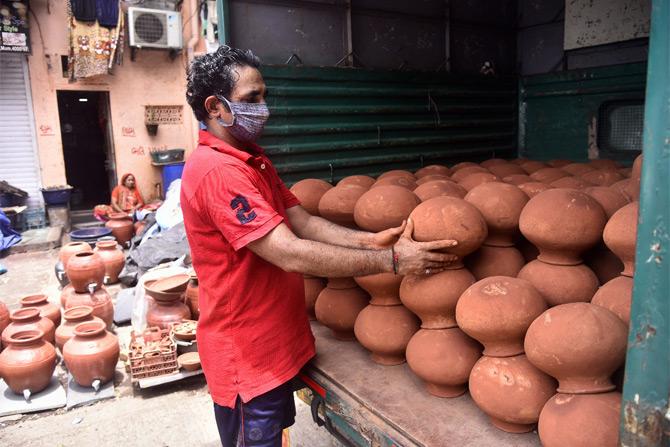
[{"x": 152, "y": 79}]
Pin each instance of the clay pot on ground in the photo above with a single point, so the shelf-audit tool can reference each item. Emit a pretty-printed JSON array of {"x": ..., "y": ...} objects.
[
  {"x": 616, "y": 296},
  {"x": 561, "y": 284},
  {"x": 46, "y": 307},
  {"x": 570, "y": 183},
  {"x": 577, "y": 169},
  {"x": 493, "y": 162},
  {"x": 382, "y": 287},
  {"x": 531, "y": 189},
  {"x": 384, "y": 207},
  {"x": 397, "y": 181},
  {"x": 610, "y": 199},
  {"x": 581, "y": 420},
  {"x": 433, "y": 170},
  {"x": 603, "y": 262},
  {"x": 548, "y": 175},
  {"x": 92, "y": 353},
  {"x": 122, "y": 227},
  {"x": 360, "y": 180},
  {"x": 562, "y": 224},
  {"x": 495, "y": 261},
  {"x": 511, "y": 391},
  {"x": 309, "y": 192},
  {"x": 28, "y": 319},
  {"x": 601, "y": 177},
  {"x": 461, "y": 174},
  {"x": 100, "y": 301},
  {"x": 438, "y": 188},
  {"x": 433, "y": 298},
  {"x": 86, "y": 271},
  {"x": 313, "y": 287},
  {"x": 385, "y": 331},
  {"x": 338, "y": 308},
  {"x": 506, "y": 170},
  {"x": 579, "y": 344},
  {"x": 337, "y": 204},
  {"x": 432, "y": 178},
  {"x": 113, "y": 259},
  {"x": 443, "y": 359},
  {"x": 164, "y": 313},
  {"x": 531, "y": 166},
  {"x": 497, "y": 312},
  {"x": 478, "y": 178},
  {"x": 72, "y": 317},
  {"x": 620, "y": 236},
  {"x": 27, "y": 362},
  {"x": 517, "y": 179},
  {"x": 70, "y": 249}
]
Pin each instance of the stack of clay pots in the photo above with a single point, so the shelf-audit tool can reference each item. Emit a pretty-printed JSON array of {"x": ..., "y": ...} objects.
[
  {"x": 113, "y": 259},
  {"x": 71, "y": 318},
  {"x": 497, "y": 312},
  {"x": 64, "y": 254},
  {"x": 87, "y": 272},
  {"x": 28, "y": 318},
  {"x": 91, "y": 354},
  {"x": 165, "y": 305}
]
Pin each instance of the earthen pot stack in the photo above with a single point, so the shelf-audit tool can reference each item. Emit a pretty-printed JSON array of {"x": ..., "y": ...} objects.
[
  {"x": 338, "y": 305},
  {"x": 91, "y": 354},
  {"x": 113, "y": 259},
  {"x": 337, "y": 204},
  {"x": 27, "y": 319},
  {"x": 433, "y": 170},
  {"x": 165, "y": 303},
  {"x": 86, "y": 271},
  {"x": 71, "y": 318},
  {"x": 99, "y": 300},
  {"x": 47, "y": 308}
]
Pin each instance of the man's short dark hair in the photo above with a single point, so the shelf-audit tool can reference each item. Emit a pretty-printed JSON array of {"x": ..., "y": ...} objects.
[{"x": 214, "y": 74}]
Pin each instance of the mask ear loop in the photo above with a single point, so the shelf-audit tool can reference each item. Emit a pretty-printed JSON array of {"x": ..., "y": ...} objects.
[{"x": 220, "y": 120}]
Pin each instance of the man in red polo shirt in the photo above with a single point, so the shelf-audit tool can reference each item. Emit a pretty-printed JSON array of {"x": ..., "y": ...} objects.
[{"x": 250, "y": 241}]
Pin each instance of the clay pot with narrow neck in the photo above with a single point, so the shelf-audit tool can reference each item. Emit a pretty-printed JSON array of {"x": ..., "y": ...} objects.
[
  {"x": 511, "y": 391},
  {"x": 338, "y": 308},
  {"x": 309, "y": 192},
  {"x": 28, "y": 318},
  {"x": 86, "y": 271},
  {"x": 192, "y": 297},
  {"x": 383, "y": 288},
  {"x": 91, "y": 354},
  {"x": 100, "y": 301},
  {"x": 313, "y": 287},
  {"x": 433, "y": 170},
  {"x": 506, "y": 169},
  {"x": 72, "y": 317},
  {"x": 437, "y": 188},
  {"x": 433, "y": 298},
  {"x": 616, "y": 296},
  {"x": 580, "y": 344},
  {"x": 113, "y": 259},
  {"x": 620, "y": 236},
  {"x": 46, "y": 307},
  {"x": 497, "y": 312},
  {"x": 384, "y": 207},
  {"x": 443, "y": 359},
  {"x": 122, "y": 227},
  {"x": 610, "y": 199},
  {"x": 495, "y": 261},
  {"x": 72, "y": 248},
  {"x": 337, "y": 204},
  {"x": 164, "y": 313},
  {"x": 561, "y": 284},
  {"x": 385, "y": 331},
  {"x": 361, "y": 180},
  {"x": 527, "y": 249},
  {"x": 27, "y": 362}
]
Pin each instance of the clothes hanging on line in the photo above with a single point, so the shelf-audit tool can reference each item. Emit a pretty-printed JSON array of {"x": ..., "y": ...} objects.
[
  {"x": 107, "y": 12},
  {"x": 93, "y": 48},
  {"x": 83, "y": 10}
]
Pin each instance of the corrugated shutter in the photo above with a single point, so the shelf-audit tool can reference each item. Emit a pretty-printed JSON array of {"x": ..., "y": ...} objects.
[{"x": 18, "y": 158}]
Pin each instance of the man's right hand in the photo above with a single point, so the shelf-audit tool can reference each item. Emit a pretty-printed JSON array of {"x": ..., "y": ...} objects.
[{"x": 422, "y": 258}]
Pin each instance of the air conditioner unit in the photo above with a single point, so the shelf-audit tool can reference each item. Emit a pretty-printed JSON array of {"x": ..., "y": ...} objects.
[{"x": 154, "y": 28}]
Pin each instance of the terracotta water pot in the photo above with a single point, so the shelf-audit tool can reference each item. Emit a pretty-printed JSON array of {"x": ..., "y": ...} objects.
[
  {"x": 122, "y": 227},
  {"x": 548, "y": 175},
  {"x": 450, "y": 218},
  {"x": 531, "y": 189},
  {"x": 604, "y": 163},
  {"x": 517, "y": 179},
  {"x": 397, "y": 173},
  {"x": 561, "y": 284},
  {"x": 432, "y": 178},
  {"x": 433, "y": 170},
  {"x": 559, "y": 163},
  {"x": 620, "y": 236},
  {"x": 385, "y": 331},
  {"x": 506, "y": 169},
  {"x": 497, "y": 312},
  {"x": 86, "y": 270},
  {"x": 495, "y": 261},
  {"x": 580, "y": 344},
  {"x": 313, "y": 287},
  {"x": 610, "y": 199},
  {"x": 438, "y": 188},
  {"x": 462, "y": 173},
  {"x": 577, "y": 168},
  {"x": 337, "y": 309},
  {"x": 570, "y": 182},
  {"x": 46, "y": 307},
  {"x": 192, "y": 297},
  {"x": 397, "y": 181},
  {"x": 342, "y": 283},
  {"x": 309, "y": 192},
  {"x": 384, "y": 207},
  {"x": 463, "y": 164},
  {"x": 531, "y": 166},
  {"x": 562, "y": 224},
  {"x": 27, "y": 362},
  {"x": 443, "y": 359},
  {"x": 72, "y": 248},
  {"x": 91, "y": 354},
  {"x": 100, "y": 301},
  {"x": 581, "y": 420},
  {"x": 433, "y": 298},
  {"x": 616, "y": 296},
  {"x": 603, "y": 262},
  {"x": 164, "y": 313},
  {"x": 493, "y": 162},
  {"x": 113, "y": 259},
  {"x": 360, "y": 180},
  {"x": 337, "y": 204},
  {"x": 500, "y": 205},
  {"x": 602, "y": 177},
  {"x": 478, "y": 178},
  {"x": 511, "y": 391},
  {"x": 28, "y": 319},
  {"x": 383, "y": 288},
  {"x": 72, "y": 317},
  {"x": 4, "y": 318}
]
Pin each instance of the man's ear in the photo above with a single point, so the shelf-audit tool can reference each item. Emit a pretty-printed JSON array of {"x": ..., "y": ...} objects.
[{"x": 211, "y": 106}]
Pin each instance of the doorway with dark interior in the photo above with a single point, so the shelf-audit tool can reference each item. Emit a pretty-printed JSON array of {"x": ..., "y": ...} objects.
[{"x": 87, "y": 146}]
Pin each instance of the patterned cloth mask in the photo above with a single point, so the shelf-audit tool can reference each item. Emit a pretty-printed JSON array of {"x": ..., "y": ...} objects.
[{"x": 248, "y": 119}]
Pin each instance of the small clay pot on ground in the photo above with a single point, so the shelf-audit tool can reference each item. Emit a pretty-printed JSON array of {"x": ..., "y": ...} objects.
[
  {"x": 27, "y": 362},
  {"x": 47, "y": 308}
]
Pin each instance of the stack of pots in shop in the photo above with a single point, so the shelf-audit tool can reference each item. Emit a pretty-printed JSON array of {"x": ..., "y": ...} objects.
[
  {"x": 86, "y": 271},
  {"x": 164, "y": 301}
]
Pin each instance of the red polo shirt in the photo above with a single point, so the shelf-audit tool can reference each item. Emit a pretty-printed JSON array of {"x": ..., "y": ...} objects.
[{"x": 253, "y": 332}]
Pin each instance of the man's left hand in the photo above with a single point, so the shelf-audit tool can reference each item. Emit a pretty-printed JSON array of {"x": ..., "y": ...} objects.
[{"x": 386, "y": 238}]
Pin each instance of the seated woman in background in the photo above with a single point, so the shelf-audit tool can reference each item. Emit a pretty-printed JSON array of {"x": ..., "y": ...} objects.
[{"x": 126, "y": 198}]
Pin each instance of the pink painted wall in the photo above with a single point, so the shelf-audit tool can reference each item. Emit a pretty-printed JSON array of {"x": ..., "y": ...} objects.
[{"x": 152, "y": 79}]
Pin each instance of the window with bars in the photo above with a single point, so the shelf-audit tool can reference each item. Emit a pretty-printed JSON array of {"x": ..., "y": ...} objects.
[{"x": 620, "y": 125}]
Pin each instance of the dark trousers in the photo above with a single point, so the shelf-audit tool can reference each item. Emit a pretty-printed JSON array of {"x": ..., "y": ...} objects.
[{"x": 259, "y": 422}]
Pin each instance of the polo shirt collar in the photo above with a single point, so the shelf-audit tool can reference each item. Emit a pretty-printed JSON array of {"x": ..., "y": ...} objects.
[{"x": 206, "y": 138}]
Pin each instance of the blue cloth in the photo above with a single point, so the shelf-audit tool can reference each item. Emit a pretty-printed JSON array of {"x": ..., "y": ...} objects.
[
  {"x": 83, "y": 10},
  {"x": 107, "y": 13},
  {"x": 9, "y": 236}
]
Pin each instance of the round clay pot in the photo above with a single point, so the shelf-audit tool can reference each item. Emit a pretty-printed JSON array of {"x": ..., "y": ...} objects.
[
  {"x": 385, "y": 331},
  {"x": 382, "y": 287},
  {"x": 559, "y": 163},
  {"x": 620, "y": 236},
  {"x": 443, "y": 359},
  {"x": 461, "y": 174},
  {"x": 433, "y": 298},
  {"x": 562, "y": 223},
  {"x": 4, "y": 319},
  {"x": 360, "y": 180},
  {"x": 616, "y": 296},
  {"x": 100, "y": 301},
  {"x": 603, "y": 262},
  {"x": 450, "y": 218},
  {"x": 604, "y": 163},
  {"x": 493, "y": 162},
  {"x": 478, "y": 178},
  {"x": 497, "y": 312},
  {"x": 577, "y": 169},
  {"x": 570, "y": 182},
  {"x": 113, "y": 259},
  {"x": 432, "y": 178},
  {"x": 397, "y": 181},
  {"x": 72, "y": 317},
  {"x": 500, "y": 205},
  {"x": 28, "y": 319},
  {"x": 27, "y": 362},
  {"x": 581, "y": 420},
  {"x": 561, "y": 284},
  {"x": 164, "y": 313},
  {"x": 495, "y": 261},
  {"x": 384, "y": 207},
  {"x": 337, "y": 204},
  {"x": 313, "y": 287},
  {"x": 548, "y": 175},
  {"x": 309, "y": 191},
  {"x": 531, "y": 166},
  {"x": 511, "y": 391},
  {"x": 438, "y": 188},
  {"x": 517, "y": 179},
  {"x": 580, "y": 344},
  {"x": 85, "y": 270},
  {"x": 341, "y": 283},
  {"x": 433, "y": 170},
  {"x": 527, "y": 249},
  {"x": 47, "y": 308},
  {"x": 610, "y": 199},
  {"x": 337, "y": 309},
  {"x": 506, "y": 170},
  {"x": 463, "y": 164},
  {"x": 91, "y": 354},
  {"x": 601, "y": 177},
  {"x": 531, "y": 189},
  {"x": 72, "y": 248},
  {"x": 122, "y": 227},
  {"x": 192, "y": 297},
  {"x": 398, "y": 173}
]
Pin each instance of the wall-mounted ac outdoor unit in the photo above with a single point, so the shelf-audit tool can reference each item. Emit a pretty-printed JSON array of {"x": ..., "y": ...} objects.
[{"x": 154, "y": 28}]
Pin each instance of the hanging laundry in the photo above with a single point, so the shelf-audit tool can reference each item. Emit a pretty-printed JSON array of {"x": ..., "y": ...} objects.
[
  {"x": 83, "y": 10},
  {"x": 107, "y": 12},
  {"x": 92, "y": 48}
]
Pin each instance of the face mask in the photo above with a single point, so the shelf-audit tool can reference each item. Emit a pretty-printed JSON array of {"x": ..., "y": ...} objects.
[{"x": 248, "y": 119}]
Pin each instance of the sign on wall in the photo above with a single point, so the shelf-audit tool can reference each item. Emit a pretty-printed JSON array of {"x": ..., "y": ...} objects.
[
  {"x": 154, "y": 115},
  {"x": 14, "y": 35}
]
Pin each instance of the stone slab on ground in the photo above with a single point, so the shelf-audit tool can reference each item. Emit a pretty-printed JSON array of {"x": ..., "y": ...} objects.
[
  {"x": 51, "y": 398},
  {"x": 78, "y": 395},
  {"x": 41, "y": 239}
]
